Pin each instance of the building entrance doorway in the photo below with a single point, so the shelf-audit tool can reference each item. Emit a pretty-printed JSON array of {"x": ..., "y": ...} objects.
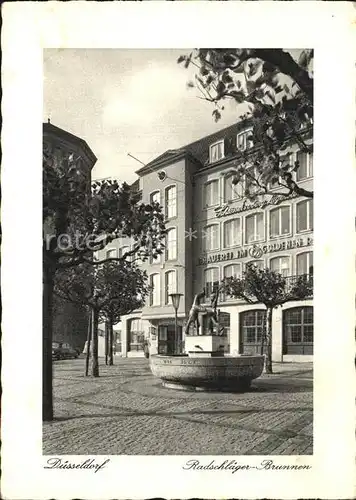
[
  {"x": 167, "y": 343},
  {"x": 251, "y": 331}
]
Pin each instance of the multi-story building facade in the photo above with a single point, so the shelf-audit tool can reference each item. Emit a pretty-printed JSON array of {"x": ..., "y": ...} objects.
[
  {"x": 70, "y": 320},
  {"x": 213, "y": 232}
]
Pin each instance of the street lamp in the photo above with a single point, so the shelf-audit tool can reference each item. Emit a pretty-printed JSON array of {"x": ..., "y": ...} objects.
[{"x": 175, "y": 302}]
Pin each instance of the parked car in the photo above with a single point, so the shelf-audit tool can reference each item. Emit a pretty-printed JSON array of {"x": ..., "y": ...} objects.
[
  {"x": 56, "y": 351},
  {"x": 63, "y": 350}
]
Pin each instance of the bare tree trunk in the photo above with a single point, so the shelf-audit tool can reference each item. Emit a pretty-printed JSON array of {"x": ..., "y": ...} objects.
[
  {"x": 47, "y": 331},
  {"x": 111, "y": 340},
  {"x": 269, "y": 313},
  {"x": 107, "y": 333},
  {"x": 95, "y": 361},
  {"x": 90, "y": 329}
]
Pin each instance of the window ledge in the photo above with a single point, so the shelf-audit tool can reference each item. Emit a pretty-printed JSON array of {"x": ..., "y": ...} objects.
[
  {"x": 229, "y": 202},
  {"x": 212, "y": 162},
  {"x": 280, "y": 236},
  {"x": 238, "y": 245},
  {"x": 305, "y": 179},
  {"x": 255, "y": 241},
  {"x": 206, "y": 207}
]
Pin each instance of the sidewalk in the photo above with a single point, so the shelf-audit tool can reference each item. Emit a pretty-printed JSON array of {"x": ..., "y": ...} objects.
[{"x": 127, "y": 411}]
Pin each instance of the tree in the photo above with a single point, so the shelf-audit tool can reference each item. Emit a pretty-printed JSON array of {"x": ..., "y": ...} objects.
[
  {"x": 278, "y": 91},
  {"x": 263, "y": 286},
  {"x": 78, "y": 221},
  {"x": 129, "y": 297},
  {"x": 108, "y": 290}
]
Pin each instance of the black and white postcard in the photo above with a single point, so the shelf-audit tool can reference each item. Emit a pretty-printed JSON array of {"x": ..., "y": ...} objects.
[{"x": 185, "y": 328}]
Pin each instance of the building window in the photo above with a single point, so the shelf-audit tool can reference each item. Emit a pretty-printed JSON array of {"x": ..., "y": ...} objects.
[
  {"x": 170, "y": 285},
  {"x": 231, "y": 271},
  {"x": 211, "y": 281},
  {"x": 155, "y": 292},
  {"x": 305, "y": 263},
  {"x": 254, "y": 228},
  {"x": 232, "y": 233},
  {"x": 155, "y": 197},
  {"x": 281, "y": 265},
  {"x": 276, "y": 178},
  {"x": 251, "y": 179},
  {"x": 279, "y": 221},
  {"x": 224, "y": 321},
  {"x": 211, "y": 237},
  {"x": 171, "y": 202},
  {"x": 171, "y": 245},
  {"x": 124, "y": 250},
  {"x": 137, "y": 335},
  {"x": 298, "y": 329},
  {"x": 251, "y": 331},
  {"x": 117, "y": 342},
  {"x": 216, "y": 151},
  {"x": 155, "y": 260},
  {"x": 260, "y": 264},
  {"x": 244, "y": 140},
  {"x": 231, "y": 191},
  {"x": 305, "y": 169},
  {"x": 211, "y": 193},
  {"x": 305, "y": 216},
  {"x": 111, "y": 254}
]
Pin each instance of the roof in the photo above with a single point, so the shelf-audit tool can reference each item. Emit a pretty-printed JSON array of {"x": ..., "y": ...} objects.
[
  {"x": 60, "y": 132},
  {"x": 199, "y": 149}
]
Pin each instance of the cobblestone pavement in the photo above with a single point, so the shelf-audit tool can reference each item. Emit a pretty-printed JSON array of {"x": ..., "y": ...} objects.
[{"x": 127, "y": 411}]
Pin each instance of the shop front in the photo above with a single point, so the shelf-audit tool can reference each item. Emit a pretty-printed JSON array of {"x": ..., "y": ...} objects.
[{"x": 168, "y": 342}]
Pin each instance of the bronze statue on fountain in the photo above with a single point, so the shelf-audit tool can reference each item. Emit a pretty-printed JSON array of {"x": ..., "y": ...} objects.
[{"x": 198, "y": 312}]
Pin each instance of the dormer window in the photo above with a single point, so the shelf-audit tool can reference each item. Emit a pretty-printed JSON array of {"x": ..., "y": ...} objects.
[
  {"x": 216, "y": 151},
  {"x": 243, "y": 140}
]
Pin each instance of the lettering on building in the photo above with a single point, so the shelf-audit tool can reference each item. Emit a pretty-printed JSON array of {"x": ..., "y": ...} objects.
[
  {"x": 276, "y": 199},
  {"x": 219, "y": 257},
  {"x": 256, "y": 251}
]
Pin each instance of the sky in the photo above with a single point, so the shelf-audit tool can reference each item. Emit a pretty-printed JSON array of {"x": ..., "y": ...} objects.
[{"x": 127, "y": 101}]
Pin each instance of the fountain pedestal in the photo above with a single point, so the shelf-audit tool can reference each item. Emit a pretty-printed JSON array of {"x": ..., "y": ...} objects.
[
  {"x": 197, "y": 346},
  {"x": 205, "y": 367}
]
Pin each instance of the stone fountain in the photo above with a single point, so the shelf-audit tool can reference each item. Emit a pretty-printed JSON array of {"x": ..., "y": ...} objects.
[{"x": 205, "y": 366}]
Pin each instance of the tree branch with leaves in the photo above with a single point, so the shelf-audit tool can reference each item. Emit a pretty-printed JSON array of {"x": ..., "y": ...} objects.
[
  {"x": 109, "y": 291},
  {"x": 278, "y": 91},
  {"x": 79, "y": 221},
  {"x": 267, "y": 287}
]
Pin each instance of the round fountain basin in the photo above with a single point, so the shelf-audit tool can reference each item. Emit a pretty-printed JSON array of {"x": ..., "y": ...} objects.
[{"x": 207, "y": 373}]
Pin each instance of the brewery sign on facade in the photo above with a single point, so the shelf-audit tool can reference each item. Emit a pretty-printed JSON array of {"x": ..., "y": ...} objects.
[{"x": 255, "y": 251}]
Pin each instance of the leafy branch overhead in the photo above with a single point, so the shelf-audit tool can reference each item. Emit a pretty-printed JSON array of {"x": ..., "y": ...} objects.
[
  {"x": 79, "y": 220},
  {"x": 277, "y": 91},
  {"x": 117, "y": 288}
]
